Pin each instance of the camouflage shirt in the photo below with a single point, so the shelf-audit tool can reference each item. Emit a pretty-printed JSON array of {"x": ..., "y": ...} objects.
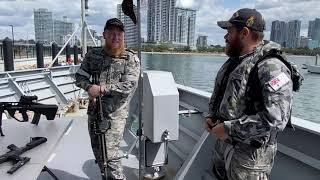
[
  {"x": 120, "y": 75},
  {"x": 270, "y": 113}
]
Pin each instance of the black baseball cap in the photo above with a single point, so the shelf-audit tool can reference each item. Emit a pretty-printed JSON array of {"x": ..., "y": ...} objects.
[
  {"x": 114, "y": 22},
  {"x": 245, "y": 17}
]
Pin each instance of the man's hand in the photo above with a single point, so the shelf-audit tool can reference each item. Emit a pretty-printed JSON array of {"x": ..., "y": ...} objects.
[
  {"x": 219, "y": 132},
  {"x": 95, "y": 91},
  {"x": 209, "y": 124}
]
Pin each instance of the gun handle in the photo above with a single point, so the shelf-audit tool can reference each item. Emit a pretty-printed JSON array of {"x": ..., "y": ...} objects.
[
  {"x": 18, "y": 165},
  {"x": 36, "y": 118},
  {"x": 1, "y": 133},
  {"x": 24, "y": 116}
]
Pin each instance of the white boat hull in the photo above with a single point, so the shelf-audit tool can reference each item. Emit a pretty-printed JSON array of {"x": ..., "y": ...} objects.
[{"x": 314, "y": 68}]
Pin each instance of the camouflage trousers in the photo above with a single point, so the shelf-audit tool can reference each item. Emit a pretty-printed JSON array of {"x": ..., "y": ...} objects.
[
  {"x": 113, "y": 139},
  {"x": 242, "y": 161}
]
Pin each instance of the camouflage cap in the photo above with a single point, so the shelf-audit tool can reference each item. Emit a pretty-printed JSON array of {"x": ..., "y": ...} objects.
[
  {"x": 114, "y": 22},
  {"x": 245, "y": 17}
]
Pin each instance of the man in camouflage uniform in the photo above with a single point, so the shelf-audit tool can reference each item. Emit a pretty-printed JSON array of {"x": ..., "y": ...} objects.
[
  {"x": 119, "y": 71},
  {"x": 246, "y": 112}
]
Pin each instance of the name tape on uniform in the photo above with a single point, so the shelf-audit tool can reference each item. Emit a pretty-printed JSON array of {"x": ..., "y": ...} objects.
[{"x": 279, "y": 81}]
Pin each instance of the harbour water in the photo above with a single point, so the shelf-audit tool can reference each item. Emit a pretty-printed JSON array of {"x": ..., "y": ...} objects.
[{"x": 199, "y": 71}]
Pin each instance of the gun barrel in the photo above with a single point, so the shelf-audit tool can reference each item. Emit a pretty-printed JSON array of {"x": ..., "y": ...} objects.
[{"x": 35, "y": 141}]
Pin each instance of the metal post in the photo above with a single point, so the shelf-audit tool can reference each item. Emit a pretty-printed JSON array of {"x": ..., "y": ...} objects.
[
  {"x": 139, "y": 29},
  {"x": 7, "y": 55},
  {"x": 317, "y": 56},
  {"x": 68, "y": 57},
  {"x": 27, "y": 45},
  {"x": 39, "y": 51},
  {"x": 12, "y": 40},
  {"x": 75, "y": 54},
  {"x": 1, "y": 52},
  {"x": 54, "y": 54},
  {"x": 83, "y": 31},
  {"x": 19, "y": 50},
  {"x": 140, "y": 92}
]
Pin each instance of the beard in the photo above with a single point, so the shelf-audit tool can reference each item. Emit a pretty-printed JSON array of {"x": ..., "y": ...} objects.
[
  {"x": 114, "y": 51},
  {"x": 234, "y": 47}
]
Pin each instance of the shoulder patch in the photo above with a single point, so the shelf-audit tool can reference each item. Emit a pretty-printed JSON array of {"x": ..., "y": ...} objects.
[{"x": 279, "y": 81}]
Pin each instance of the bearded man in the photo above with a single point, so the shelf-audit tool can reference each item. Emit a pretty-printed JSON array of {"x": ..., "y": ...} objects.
[
  {"x": 251, "y": 101},
  {"x": 118, "y": 70}
]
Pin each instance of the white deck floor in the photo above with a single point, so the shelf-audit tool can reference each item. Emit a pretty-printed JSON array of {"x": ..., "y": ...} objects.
[{"x": 73, "y": 158}]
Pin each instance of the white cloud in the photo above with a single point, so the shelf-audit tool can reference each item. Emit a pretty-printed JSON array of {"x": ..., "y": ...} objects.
[{"x": 185, "y": 3}]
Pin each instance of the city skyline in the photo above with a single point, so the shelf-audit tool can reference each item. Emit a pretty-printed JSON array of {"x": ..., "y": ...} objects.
[
  {"x": 167, "y": 23},
  {"x": 287, "y": 34},
  {"x": 20, "y": 14},
  {"x": 47, "y": 29}
]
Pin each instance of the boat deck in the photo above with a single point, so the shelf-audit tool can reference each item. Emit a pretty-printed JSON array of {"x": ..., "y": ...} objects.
[
  {"x": 73, "y": 158},
  {"x": 189, "y": 157}
]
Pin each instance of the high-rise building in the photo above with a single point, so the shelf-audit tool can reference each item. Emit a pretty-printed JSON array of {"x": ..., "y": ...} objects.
[
  {"x": 314, "y": 29},
  {"x": 43, "y": 25},
  {"x": 161, "y": 20},
  {"x": 131, "y": 30},
  {"x": 311, "y": 29},
  {"x": 202, "y": 41},
  {"x": 48, "y": 30},
  {"x": 62, "y": 29},
  {"x": 293, "y": 34},
  {"x": 279, "y": 32},
  {"x": 185, "y": 22}
]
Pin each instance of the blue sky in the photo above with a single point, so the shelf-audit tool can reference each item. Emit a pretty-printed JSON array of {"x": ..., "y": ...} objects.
[
  {"x": 231, "y": 3},
  {"x": 20, "y": 14}
]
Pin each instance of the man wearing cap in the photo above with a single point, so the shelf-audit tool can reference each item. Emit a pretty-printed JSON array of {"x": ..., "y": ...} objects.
[
  {"x": 119, "y": 71},
  {"x": 251, "y": 101}
]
